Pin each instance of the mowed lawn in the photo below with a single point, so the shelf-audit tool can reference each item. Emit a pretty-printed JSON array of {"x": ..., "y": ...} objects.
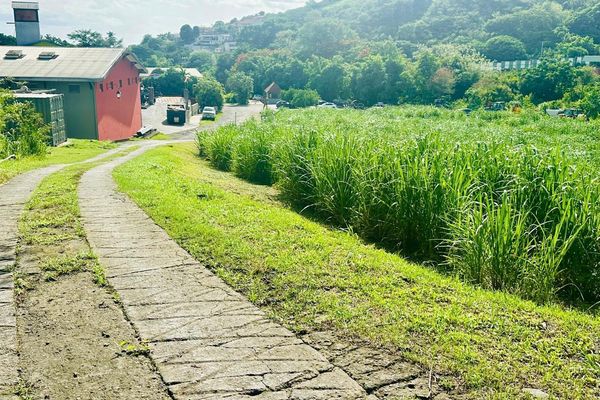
[
  {"x": 74, "y": 151},
  {"x": 308, "y": 277}
]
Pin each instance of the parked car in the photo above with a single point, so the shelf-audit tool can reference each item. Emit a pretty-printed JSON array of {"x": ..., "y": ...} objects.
[
  {"x": 328, "y": 105},
  {"x": 283, "y": 104},
  {"x": 209, "y": 113}
]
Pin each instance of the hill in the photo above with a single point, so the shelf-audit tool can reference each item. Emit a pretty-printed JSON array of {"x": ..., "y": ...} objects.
[{"x": 433, "y": 21}]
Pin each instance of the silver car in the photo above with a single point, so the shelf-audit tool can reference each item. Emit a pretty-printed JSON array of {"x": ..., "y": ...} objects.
[{"x": 209, "y": 113}]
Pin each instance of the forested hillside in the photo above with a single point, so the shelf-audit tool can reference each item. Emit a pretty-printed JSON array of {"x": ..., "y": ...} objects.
[
  {"x": 432, "y": 21},
  {"x": 401, "y": 51}
]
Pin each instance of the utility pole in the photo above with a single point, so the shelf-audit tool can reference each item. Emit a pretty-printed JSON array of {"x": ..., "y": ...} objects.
[{"x": 542, "y": 53}]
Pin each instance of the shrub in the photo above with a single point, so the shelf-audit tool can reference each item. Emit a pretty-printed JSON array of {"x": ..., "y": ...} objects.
[
  {"x": 22, "y": 130},
  {"x": 300, "y": 98}
]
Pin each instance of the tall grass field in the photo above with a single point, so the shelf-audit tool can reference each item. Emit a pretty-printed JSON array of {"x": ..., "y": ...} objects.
[{"x": 504, "y": 201}]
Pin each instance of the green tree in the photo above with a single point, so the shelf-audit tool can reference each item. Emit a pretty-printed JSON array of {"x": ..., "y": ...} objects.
[
  {"x": 532, "y": 25},
  {"x": 489, "y": 89},
  {"x": 186, "y": 34},
  {"x": 209, "y": 93},
  {"x": 242, "y": 87},
  {"x": 329, "y": 80},
  {"x": 299, "y": 98},
  {"x": 504, "y": 48},
  {"x": 591, "y": 101},
  {"x": 7, "y": 40},
  {"x": 369, "y": 81},
  {"x": 202, "y": 60},
  {"x": 585, "y": 22},
  {"x": 225, "y": 62},
  {"x": 324, "y": 38},
  {"x": 89, "y": 38},
  {"x": 550, "y": 80},
  {"x": 577, "y": 46},
  {"x": 426, "y": 66}
]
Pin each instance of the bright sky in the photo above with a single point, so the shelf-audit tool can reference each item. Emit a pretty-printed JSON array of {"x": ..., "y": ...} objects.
[{"x": 132, "y": 19}]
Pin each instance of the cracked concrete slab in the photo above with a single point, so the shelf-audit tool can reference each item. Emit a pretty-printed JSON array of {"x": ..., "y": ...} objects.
[{"x": 207, "y": 341}]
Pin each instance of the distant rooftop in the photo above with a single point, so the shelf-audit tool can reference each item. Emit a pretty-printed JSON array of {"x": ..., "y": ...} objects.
[{"x": 31, "y": 63}]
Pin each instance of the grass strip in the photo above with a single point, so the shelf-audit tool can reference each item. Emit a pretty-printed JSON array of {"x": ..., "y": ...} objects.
[
  {"x": 310, "y": 277},
  {"x": 75, "y": 151},
  {"x": 52, "y": 223}
]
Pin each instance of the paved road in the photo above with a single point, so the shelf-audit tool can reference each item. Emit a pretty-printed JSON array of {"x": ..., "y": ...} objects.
[
  {"x": 156, "y": 115},
  {"x": 208, "y": 341}
]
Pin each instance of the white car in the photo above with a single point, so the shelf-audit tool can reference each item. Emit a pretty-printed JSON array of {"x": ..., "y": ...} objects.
[
  {"x": 209, "y": 113},
  {"x": 328, "y": 105}
]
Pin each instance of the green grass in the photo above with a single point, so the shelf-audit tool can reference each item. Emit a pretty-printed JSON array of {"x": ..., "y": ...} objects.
[
  {"x": 51, "y": 224},
  {"x": 207, "y": 122},
  {"x": 161, "y": 136},
  {"x": 508, "y": 202},
  {"x": 308, "y": 276},
  {"x": 75, "y": 151}
]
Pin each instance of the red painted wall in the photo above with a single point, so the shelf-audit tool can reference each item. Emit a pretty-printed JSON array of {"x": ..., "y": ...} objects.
[{"x": 119, "y": 118}]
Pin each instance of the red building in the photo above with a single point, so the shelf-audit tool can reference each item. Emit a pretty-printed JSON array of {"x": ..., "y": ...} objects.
[{"x": 101, "y": 86}]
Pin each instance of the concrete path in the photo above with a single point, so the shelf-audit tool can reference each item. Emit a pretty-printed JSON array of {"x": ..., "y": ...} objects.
[
  {"x": 207, "y": 341},
  {"x": 13, "y": 196}
]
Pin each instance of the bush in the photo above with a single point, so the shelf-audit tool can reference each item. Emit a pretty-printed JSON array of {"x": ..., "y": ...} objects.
[
  {"x": 209, "y": 93},
  {"x": 241, "y": 86},
  {"x": 300, "y": 98},
  {"x": 22, "y": 130}
]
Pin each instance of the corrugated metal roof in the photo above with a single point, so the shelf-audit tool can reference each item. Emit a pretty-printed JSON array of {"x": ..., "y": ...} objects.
[{"x": 71, "y": 63}]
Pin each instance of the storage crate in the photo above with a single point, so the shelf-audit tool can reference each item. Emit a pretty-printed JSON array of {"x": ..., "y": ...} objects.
[{"x": 50, "y": 105}]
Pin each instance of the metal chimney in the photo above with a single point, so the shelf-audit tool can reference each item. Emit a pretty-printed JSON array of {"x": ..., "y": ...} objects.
[{"x": 27, "y": 22}]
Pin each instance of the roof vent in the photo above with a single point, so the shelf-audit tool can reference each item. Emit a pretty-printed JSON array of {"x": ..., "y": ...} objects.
[
  {"x": 14, "y": 55},
  {"x": 47, "y": 55}
]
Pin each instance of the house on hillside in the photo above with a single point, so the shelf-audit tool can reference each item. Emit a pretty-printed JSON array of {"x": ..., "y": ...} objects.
[
  {"x": 272, "y": 92},
  {"x": 101, "y": 86}
]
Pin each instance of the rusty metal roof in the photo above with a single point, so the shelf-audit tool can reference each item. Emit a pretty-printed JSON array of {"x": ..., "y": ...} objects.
[{"x": 68, "y": 63}]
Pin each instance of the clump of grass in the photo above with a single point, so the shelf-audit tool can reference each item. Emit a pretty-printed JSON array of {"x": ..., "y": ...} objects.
[
  {"x": 505, "y": 212},
  {"x": 135, "y": 350},
  {"x": 68, "y": 264},
  {"x": 219, "y": 145},
  {"x": 251, "y": 155},
  {"x": 99, "y": 275}
]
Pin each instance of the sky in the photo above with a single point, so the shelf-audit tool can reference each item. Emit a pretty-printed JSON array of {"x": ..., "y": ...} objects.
[{"x": 132, "y": 19}]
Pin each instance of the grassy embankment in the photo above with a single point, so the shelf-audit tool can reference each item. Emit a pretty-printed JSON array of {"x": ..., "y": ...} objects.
[
  {"x": 311, "y": 277},
  {"x": 507, "y": 202},
  {"x": 75, "y": 151}
]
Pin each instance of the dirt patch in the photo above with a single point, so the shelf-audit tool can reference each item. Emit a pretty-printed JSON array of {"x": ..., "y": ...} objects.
[{"x": 74, "y": 342}]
